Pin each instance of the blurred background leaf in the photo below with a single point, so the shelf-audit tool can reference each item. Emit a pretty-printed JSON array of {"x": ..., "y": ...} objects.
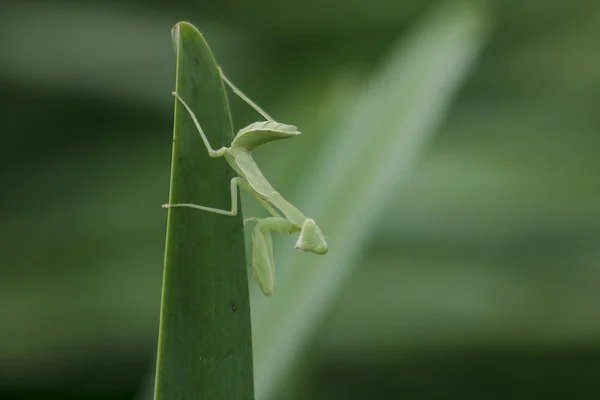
[
  {"x": 347, "y": 180},
  {"x": 482, "y": 281}
]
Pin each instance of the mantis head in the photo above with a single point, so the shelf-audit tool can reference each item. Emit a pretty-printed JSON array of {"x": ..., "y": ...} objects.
[{"x": 311, "y": 239}]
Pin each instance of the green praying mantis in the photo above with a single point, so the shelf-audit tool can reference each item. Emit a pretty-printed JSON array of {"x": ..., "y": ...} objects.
[{"x": 251, "y": 179}]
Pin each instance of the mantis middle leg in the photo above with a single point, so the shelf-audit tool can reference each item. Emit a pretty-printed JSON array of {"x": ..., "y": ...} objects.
[{"x": 237, "y": 181}]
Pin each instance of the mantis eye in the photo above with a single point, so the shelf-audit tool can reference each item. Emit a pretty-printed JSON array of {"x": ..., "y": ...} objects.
[{"x": 311, "y": 239}]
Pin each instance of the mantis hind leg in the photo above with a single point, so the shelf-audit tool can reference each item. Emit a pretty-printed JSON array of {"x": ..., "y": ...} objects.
[
  {"x": 244, "y": 97},
  {"x": 211, "y": 151},
  {"x": 263, "y": 264},
  {"x": 241, "y": 182}
]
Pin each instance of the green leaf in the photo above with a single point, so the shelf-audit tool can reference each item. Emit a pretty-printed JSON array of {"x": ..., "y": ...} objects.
[
  {"x": 354, "y": 173},
  {"x": 204, "y": 349}
]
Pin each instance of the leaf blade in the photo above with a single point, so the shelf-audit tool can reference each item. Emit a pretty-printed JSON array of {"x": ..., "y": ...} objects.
[{"x": 205, "y": 348}]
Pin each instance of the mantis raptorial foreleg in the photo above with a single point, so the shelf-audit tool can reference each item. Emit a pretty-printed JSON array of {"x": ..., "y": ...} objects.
[
  {"x": 263, "y": 264},
  {"x": 246, "y": 220},
  {"x": 266, "y": 205}
]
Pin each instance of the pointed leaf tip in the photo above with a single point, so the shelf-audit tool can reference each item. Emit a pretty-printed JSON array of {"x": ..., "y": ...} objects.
[{"x": 175, "y": 37}]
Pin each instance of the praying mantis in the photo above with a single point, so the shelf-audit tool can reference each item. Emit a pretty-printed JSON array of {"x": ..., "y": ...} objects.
[{"x": 250, "y": 179}]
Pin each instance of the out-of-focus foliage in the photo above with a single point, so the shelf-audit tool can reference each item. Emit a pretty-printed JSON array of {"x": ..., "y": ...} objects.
[
  {"x": 387, "y": 129},
  {"x": 482, "y": 279}
]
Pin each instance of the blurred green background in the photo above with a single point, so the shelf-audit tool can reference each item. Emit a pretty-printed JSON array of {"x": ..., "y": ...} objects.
[{"x": 480, "y": 277}]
